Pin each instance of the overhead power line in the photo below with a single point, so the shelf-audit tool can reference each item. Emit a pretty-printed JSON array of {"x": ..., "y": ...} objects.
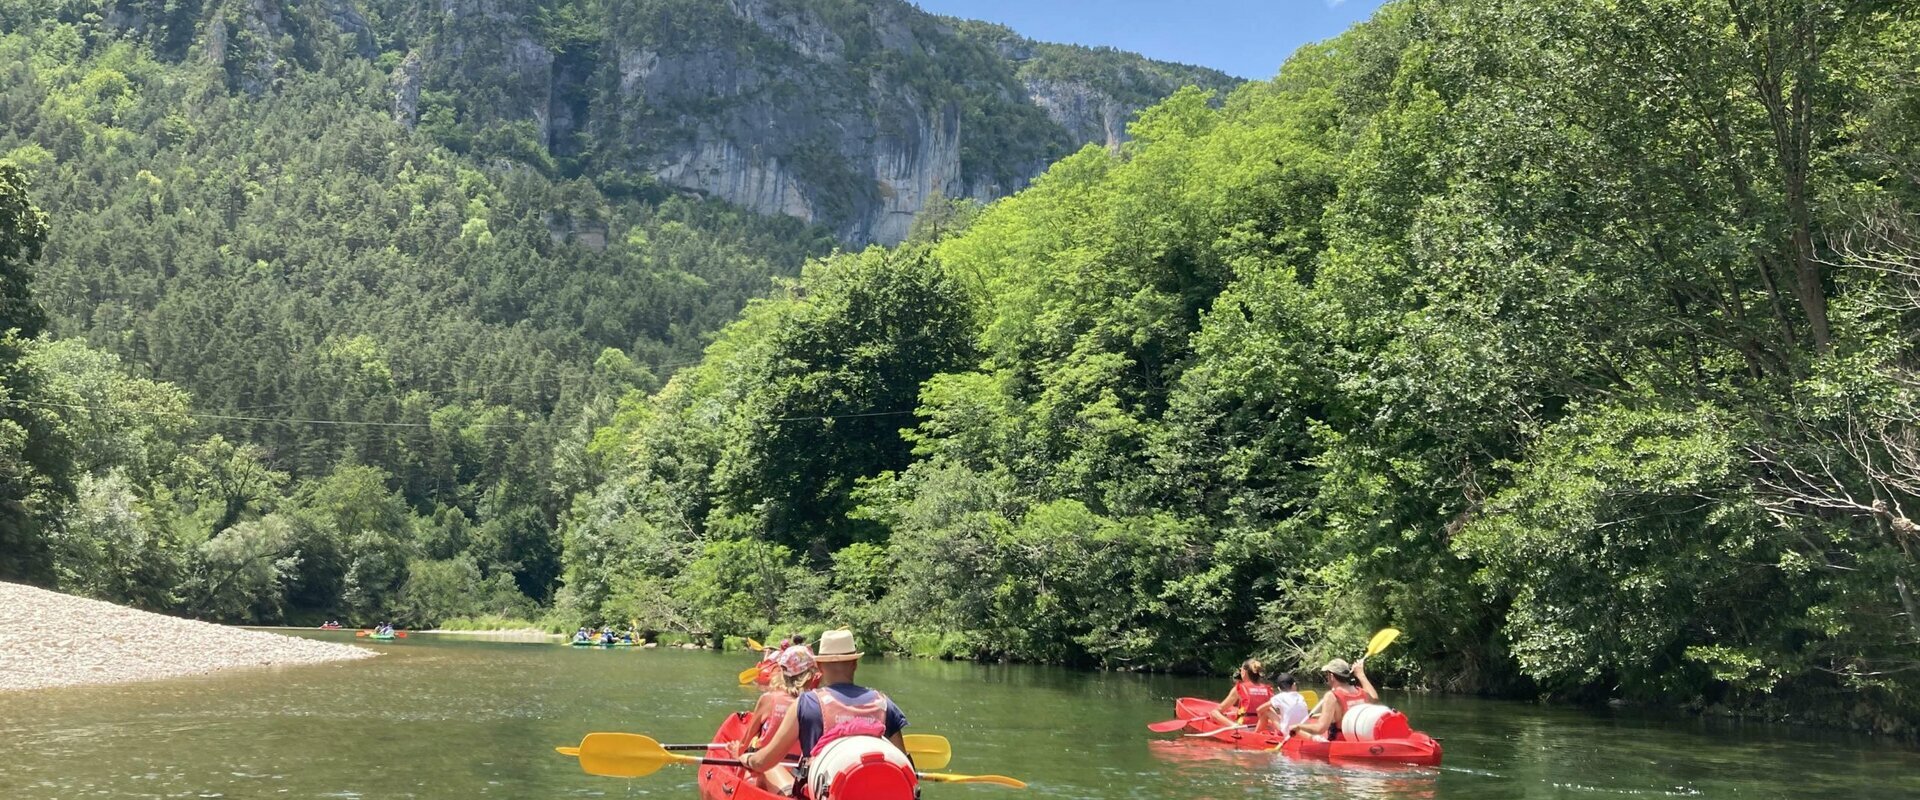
[
  {"x": 825, "y": 417},
  {"x": 235, "y": 418}
]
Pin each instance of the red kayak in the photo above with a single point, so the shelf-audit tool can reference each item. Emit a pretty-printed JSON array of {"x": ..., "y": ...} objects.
[
  {"x": 730, "y": 783},
  {"x": 1415, "y": 748}
]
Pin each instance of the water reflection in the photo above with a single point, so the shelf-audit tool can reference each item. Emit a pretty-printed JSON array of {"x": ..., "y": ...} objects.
[{"x": 1264, "y": 773}]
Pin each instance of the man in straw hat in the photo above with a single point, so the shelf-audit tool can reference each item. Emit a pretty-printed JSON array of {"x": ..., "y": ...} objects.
[{"x": 839, "y": 708}]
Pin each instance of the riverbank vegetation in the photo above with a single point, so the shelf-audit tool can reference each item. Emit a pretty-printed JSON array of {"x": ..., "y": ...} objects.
[
  {"x": 1573, "y": 339},
  {"x": 1577, "y": 340}
]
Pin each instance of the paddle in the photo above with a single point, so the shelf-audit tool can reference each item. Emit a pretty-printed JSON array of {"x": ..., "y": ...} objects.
[
  {"x": 930, "y": 751},
  {"x": 749, "y": 674},
  {"x": 997, "y": 780},
  {"x": 1381, "y": 640},
  {"x": 1169, "y": 726},
  {"x": 755, "y": 646},
  {"x": 1204, "y": 734},
  {"x": 631, "y": 755}
]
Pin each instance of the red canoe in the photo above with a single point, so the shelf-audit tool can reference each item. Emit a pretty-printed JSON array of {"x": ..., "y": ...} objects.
[
  {"x": 730, "y": 783},
  {"x": 1418, "y": 749}
]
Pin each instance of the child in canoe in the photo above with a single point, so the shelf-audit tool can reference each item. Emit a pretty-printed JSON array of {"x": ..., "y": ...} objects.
[{"x": 1288, "y": 707}]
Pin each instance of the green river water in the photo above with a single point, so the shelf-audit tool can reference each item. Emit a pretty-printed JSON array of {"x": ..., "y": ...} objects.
[{"x": 439, "y": 717}]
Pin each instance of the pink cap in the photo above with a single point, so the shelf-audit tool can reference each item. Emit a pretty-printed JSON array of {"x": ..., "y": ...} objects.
[{"x": 796, "y": 660}]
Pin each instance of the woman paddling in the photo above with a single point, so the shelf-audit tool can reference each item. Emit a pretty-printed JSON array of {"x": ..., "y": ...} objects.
[
  {"x": 796, "y": 670},
  {"x": 1347, "y": 686},
  {"x": 1250, "y": 692}
]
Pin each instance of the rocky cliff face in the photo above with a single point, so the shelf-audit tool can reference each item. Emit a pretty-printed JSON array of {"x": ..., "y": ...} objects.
[
  {"x": 1089, "y": 115},
  {"x": 849, "y": 113}
]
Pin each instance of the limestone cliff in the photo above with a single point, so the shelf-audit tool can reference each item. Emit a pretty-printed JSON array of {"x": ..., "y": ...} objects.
[{"x": 854, "y": 114}]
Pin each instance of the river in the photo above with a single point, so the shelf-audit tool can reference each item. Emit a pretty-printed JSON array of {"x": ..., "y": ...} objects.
[{"x": 443, "y": 717}]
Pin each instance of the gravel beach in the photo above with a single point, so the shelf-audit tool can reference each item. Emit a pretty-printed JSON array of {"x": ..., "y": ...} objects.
[{"x": 51, "y": 639}]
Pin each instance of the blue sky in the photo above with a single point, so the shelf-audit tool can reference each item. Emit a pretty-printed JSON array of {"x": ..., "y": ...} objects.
[{"x": 1248, "y": 38}]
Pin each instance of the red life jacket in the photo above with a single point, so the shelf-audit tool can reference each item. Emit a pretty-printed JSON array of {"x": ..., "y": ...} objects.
[
  {"x": 1349, "y": 696},
  {"x": 1252, "y": 697},
  {"x": 838, "y": 718},
  {"x": 775, "y": 714}
]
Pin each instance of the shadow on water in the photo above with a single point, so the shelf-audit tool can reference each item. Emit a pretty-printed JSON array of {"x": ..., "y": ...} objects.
[{"x": 449, "y": 717}]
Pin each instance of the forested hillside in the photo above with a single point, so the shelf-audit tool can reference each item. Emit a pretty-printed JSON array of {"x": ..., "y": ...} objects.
[
  {"x": 1575, "y": 339},
  {"x": 335, "y": 294},
  {"x": 850, "y": 114}
]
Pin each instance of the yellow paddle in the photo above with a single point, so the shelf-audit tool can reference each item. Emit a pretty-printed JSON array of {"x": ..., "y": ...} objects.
[
  {"x": 930, "y": 751},
  {"x": 997, "y": 780},
  {"x": 623, "y": 755},
  {"x": 748, "y": 675},
  {"x": 1381, "y": 640},
  {"x": 631, "y": 755}
]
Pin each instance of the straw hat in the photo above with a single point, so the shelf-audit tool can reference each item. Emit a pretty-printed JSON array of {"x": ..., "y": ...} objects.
[
  {"x": 837, "y": 646},
  {"x": 1338, "y": 666}
]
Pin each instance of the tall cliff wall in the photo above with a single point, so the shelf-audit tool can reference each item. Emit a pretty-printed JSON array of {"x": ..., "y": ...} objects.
[{"x": 854, "y": 114}]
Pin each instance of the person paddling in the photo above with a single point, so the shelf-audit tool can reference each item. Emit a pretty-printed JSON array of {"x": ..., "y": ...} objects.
[
  {"x": 1347, "y": 686},
  {"x": 1250, "y": 693},
  {"x": 841, "y": 711},
  {"x": 796, "y": 670}
]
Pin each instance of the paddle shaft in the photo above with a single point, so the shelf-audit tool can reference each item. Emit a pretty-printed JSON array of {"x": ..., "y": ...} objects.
[
  {"x": 1217, "y": 732},
  {"x": 936, "y": 777}
]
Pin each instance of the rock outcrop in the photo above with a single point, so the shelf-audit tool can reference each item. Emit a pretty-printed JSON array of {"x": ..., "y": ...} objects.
[{"x": 853, "y": 115}]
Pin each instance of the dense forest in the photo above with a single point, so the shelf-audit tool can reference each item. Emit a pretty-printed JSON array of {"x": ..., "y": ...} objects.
[
  {"x": 318, "y": 343},
  {"x": 1575, "y": 339}
]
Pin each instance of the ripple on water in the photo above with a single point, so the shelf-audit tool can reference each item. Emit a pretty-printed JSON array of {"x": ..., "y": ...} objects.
[
  {"x": 1677, "y": 791},
  {"x": 479, "y": 720}
]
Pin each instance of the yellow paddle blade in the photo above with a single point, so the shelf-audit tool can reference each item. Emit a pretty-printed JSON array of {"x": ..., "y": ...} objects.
[
  {"x": 625, "y": 755},
  {"x": 1312, "y": 697},
  {"x": 568, "y": 751},
  {"x": 997, "y": 780},
  {"x": 755, "y": 646},
  {"x": 929, "y": 751},
  {"x": 1381, "y": 640},
  {"x": 748, "y": 675}
]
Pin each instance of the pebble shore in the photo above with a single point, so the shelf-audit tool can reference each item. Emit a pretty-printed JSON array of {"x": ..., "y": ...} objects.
[{"x": 50, "y": 639}]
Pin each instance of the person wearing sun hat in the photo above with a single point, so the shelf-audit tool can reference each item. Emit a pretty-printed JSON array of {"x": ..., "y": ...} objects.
[
  {"x": 1347, "y": 686},
  {"x": 795, "y": 670},
  {"x": 838, "y": 709}
]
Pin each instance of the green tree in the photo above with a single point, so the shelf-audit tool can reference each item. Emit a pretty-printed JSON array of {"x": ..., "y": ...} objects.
[
  {"x": 34, "y": 460},
  {"x": 843, "y": 369}
]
